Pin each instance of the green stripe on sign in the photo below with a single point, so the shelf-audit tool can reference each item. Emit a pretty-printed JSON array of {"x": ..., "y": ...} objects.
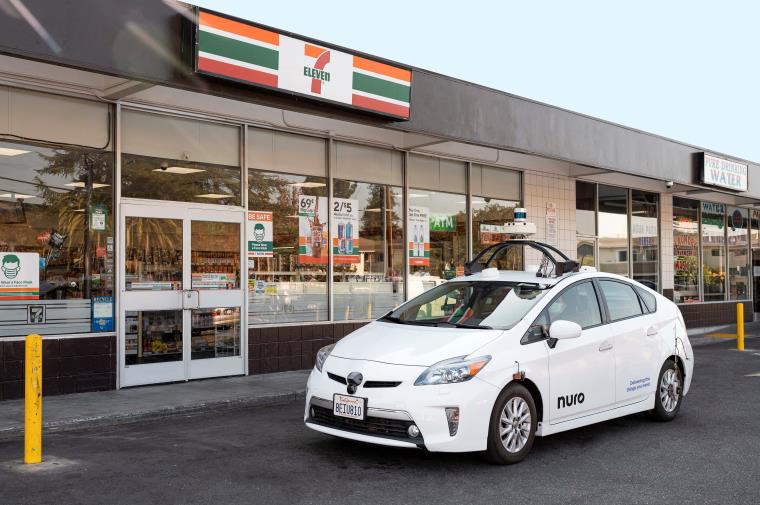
[
  {"x": 237, "y": 50},
  {"x": 376, "y": 86}
]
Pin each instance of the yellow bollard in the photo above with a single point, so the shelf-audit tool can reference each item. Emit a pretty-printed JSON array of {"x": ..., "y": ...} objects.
[
  {"x": 33, "y": 400},
  {"x": 740, "y": 326}
]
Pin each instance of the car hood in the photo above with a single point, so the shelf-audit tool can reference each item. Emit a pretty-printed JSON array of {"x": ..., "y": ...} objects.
[{"x": 414, "y": 345}]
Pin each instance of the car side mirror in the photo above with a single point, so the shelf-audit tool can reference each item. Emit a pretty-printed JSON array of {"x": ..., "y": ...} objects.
[{"x": 563, "y": 329}]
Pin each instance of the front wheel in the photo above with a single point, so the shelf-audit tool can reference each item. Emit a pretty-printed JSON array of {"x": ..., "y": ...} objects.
[
  {"x": 512, "y": 427},
  {"x": 669, "y": 393}
]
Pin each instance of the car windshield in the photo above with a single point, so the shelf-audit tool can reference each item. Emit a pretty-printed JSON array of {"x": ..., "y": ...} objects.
[{"x": 470, "y": 304}]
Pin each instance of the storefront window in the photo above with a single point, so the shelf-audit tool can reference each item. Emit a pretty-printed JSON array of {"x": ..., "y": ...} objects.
[
  {"x": 585, "y": 208},
  {"x": 714, "y": 251},
  {"x": 613, "y": 230},
  {"x": 287, "y": 282},
  {"x": 644, "y": 238},
  {"x": 738, "y": 254},
  {"x": 56, "y": 240},
  {"x": 368, "y": 254},
  {"x": 685, "y": 250},
  {"x": 437, "y": 237},
  {"x": 489, "y": 216},
  {"x": 179, "y": 159}
]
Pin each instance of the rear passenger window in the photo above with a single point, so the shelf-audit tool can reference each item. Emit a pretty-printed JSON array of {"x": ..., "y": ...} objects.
[
  {"x": 622, "y": 301},
  {"x": 650, "y": 304},
  {"x": 577, "y": 304}
]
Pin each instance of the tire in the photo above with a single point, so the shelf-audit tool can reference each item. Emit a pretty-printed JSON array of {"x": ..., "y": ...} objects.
[
  {"x": 508, "y": 417},
  {"x": 669, "y": 392}
]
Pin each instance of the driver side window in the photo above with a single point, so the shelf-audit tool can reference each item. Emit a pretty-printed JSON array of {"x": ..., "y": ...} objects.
[{"x": 578, "y": 304}]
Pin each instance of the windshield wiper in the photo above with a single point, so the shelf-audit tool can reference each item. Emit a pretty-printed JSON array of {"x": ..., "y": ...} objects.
[
  {"x": 469, "y": 326},
  {"x": 394, "y": 319}
]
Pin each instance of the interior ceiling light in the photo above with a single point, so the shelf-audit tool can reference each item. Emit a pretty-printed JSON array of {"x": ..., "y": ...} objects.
[
  {"x": 81, "y": 184},
  {"x": 214, "y": 196},
  {"x": 16, "y": 196},
  {"x": 178, "y": 170},
  {"x": 7, "y": 151},
  {"x": 307, "y": 184}
]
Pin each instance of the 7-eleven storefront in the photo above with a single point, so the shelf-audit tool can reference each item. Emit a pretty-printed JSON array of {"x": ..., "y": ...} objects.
[{"x": 208, "y": 197}]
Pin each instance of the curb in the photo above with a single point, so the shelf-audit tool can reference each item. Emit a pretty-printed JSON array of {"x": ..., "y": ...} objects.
[{"x": 77, "y": 423}]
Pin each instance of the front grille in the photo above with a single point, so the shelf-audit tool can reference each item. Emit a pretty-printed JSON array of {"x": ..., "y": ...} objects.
[
  {"x": 368, "y": 384},
  {"x": 376, "y": 426},
  {"x": 337, "y": 378},
  {"x": 381, "y": 384}
]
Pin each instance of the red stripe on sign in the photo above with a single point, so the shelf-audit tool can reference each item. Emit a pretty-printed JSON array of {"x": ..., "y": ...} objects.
[
  {"x": 380, "y": 106},
  {"x": 36, "y": 297},
  {"x": 237, "y": 72}
]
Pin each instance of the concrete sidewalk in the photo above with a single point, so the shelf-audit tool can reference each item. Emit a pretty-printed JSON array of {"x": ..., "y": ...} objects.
[
  {"x": 150, "y": 402},
  {"x": 713, "y": 334}
]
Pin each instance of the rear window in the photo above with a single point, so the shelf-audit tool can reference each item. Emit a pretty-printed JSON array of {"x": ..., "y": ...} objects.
[
  {"x": 470, "y": 304},
  {"x": 650, "y": 302}
]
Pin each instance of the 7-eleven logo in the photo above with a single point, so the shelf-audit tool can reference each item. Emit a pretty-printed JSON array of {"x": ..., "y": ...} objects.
[{"x": 317, "y": 71}]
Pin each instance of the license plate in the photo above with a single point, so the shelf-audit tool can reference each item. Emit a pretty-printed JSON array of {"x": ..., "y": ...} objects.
[{"x": 351, "y": 407}]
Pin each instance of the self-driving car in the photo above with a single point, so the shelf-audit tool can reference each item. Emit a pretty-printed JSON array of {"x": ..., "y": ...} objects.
[{"x": 490, "y": 360}]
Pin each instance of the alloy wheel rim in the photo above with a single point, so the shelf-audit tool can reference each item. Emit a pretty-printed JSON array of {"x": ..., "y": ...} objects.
[
  {"x": 515, "y": 424},
  {"x": 669, "y": 390}
]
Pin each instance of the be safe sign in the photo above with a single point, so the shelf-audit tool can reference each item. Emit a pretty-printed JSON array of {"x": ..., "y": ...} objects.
[{"x": 724, "y": 173}]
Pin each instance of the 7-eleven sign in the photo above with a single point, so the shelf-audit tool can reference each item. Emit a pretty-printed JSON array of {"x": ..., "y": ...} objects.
[{"x": 317, "y": 71}]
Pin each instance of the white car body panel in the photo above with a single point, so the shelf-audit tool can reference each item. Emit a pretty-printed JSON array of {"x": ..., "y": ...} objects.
[{"x": 608, "y": 364}]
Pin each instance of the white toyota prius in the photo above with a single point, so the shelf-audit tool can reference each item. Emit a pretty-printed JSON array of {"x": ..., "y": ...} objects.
[{"x": 488, "y": 361}]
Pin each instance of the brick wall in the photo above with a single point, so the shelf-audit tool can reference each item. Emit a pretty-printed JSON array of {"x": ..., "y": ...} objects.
[
  {"x": 540, "y": 189},
  {"x": 698, "y": 315},
  {"x": 279, "y": 349},
  {"x": 69, "y": 365}
]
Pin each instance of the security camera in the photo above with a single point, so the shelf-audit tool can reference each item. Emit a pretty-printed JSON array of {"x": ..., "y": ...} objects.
[
  {"x": 669, "y": 184},
  {"x": 164, "y": 166}
]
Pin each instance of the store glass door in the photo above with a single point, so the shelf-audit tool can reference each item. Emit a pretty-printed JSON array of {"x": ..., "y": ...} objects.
[{"x": 182, "y": 293}]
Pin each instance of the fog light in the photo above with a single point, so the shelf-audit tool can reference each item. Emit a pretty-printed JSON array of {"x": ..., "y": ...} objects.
[
  {"x": 311, "y": 411},
  {"x": 452, "y": 416},
  {"x": 413, "y": 431}
]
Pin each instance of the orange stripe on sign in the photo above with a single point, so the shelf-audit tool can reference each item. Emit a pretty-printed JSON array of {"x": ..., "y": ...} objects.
[
  {"x": 25, "y": 290},
  {"x": 238, "y": 28},
  {"x": 20, "y": 298},
  {"x": 313, "y": 51},
  {"x": 380, "y": 106},
  {"x": 382, "y": 68},
  {"x": 237, "y": 72}
]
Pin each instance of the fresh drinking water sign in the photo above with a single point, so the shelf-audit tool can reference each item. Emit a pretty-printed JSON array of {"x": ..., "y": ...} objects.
[
  {"x": 245, "y": 52},
  {"x": 345, "y": 225},
  {"x": 724, "y": 173},
  {"x": 260, "y": 234},
  {"x": 19, "y": 276},
  {"x": 418, "y": 231}
]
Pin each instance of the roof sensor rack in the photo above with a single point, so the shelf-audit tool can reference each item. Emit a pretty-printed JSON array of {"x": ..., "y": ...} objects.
[{"x": 554, "y": 263}]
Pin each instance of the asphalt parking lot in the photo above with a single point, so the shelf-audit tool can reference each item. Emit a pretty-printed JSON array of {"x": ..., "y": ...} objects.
[{"x": 709, "y": 454}]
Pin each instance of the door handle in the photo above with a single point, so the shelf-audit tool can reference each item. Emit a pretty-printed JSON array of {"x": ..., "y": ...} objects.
[
  {"x": 652, "y": 331},
  {"x": 606, "y": 346}
]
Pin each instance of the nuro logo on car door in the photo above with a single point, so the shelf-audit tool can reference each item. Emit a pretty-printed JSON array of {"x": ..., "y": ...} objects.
[{"x": 570, "y": 400}]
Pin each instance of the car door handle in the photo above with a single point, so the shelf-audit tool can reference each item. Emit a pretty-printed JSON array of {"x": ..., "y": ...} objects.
[
  {"x": 652, "y": 331},
  {"x": 606, "y": 346}
]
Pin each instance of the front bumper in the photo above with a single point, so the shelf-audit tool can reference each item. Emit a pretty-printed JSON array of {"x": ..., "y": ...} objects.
[{"x": 391, "y": 410}]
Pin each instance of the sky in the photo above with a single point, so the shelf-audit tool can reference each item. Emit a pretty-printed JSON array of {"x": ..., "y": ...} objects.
[{"x": 687, "y": 70}]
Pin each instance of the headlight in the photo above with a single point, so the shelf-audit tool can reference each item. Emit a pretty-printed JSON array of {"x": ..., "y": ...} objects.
[
  {"x": 322, "y": 355},
  {"x": 452, "y": 370}
]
